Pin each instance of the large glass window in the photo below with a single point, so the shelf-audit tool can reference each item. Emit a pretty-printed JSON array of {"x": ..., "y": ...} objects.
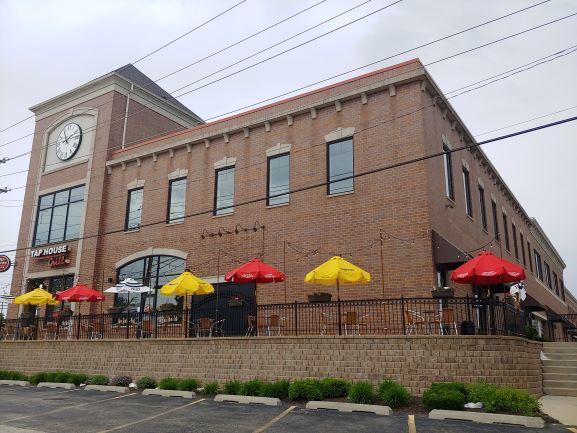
[
  {"x": 538, "y": 265},
  {"x": 548, "y": 275},
  {"x": 515, "y": 244},
  {"x": 482, "y": 207},
  {"x": 529, "y": 256},
  {"x": 448, "y": 162},
  {"x": 278, "y": 181},
  {"x": 467, "y": 188},
  {"x": 506, "y": 232},
  {"x": 522, "y": 239},
  {"x": 176, "y": 200},
  {"x": 134, "y": 209},
  {"x": 153, "y": 271},
  {"x": 495, "y": 221},
  {"x": 59, "y": 216},
  {"x": 340, "y": 167},
  {"x": 224, "y": 191}
]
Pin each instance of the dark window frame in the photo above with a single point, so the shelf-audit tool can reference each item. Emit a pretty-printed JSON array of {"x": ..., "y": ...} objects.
[
  {"x": 530, "y": 259},
  {"x": 483, "y": 208},
  {"x": 52, "y": 207},
  {"x": 547, "y": 274},
  {"x": 126, "y": 216},
  {"x": 168, "y": 204},
  {"x": 515, "y": 243},
  {"x": 495, "y": 221},
  {"x": 268, "y": 172},
  {"x": 214, "y": 209},
  {"x": 448, "y": 171},
  {"x": 467, "y": 191},
  {"x": 506, "y": 232},
  {"x": 522, "y": 242},
  {"x": 328, "y": 166},
  {"x": 538, "y": 264}
]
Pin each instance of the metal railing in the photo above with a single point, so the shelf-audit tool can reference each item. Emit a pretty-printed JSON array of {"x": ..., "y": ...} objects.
[{"x": 402, "y": 316}]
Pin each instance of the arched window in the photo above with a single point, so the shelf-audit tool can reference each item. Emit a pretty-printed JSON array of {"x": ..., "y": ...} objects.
[{"x": 152, "y": 271}]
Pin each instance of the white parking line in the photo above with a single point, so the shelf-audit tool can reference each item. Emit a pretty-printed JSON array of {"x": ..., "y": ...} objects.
[
  {"x": 151, "y": 417},
  {"x": 274, "y": 420}
]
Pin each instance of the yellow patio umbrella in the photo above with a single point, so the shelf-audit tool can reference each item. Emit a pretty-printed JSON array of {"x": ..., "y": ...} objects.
[
  {"x": 186, "y": 284},
  {"x": 337, "y": 271},
  {"x": 38, "y": 296}
]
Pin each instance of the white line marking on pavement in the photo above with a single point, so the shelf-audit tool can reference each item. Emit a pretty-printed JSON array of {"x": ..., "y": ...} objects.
[
  {"x": 274, "y": 420},
  {"x": 151, "y": 417}
]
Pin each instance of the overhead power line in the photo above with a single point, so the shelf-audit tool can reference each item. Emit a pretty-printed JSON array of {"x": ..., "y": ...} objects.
[{"x": 324, "y": 184}]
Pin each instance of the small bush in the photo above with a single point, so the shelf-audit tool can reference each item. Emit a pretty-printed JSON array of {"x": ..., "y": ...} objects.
[
  {"x": 278, "y": 389},
  {"x": 57, "y": 376},
  {"x": 361, "y": 392},
  {"x": 189, "y": 384},
  {"x": 12, "y": 375},
  {"x": 98, "y": 379},
  {"x": 307, "y": 389},
  {"x": 454, "y": 386},
  {"x": 443, "y": 398},
  {"x": 481, "y": 392},
  {"x": 252, "y": 387},
  {"x": 334, "y": 388},
  {"x": 121, "y": 381},
  {"x": 232, "y": 387},
  {"x": 503, "y": 399},
  {"x": 169, "y": 383},
  {"x": 77, "y": 378},
  {"x": 394, "y": 394},
  {"x": 36, "y": 378},
  {"x": 146, "y": 383},
  {"x": 210, "y": 389}
]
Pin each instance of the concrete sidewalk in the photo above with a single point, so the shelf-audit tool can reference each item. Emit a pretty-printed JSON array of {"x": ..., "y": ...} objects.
[{"x": 563, "y": 409}]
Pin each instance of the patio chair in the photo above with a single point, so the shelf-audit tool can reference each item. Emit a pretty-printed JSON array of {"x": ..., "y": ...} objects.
[
  {"x": 325, "y": 321},
  {"x": 353, "y": 323},
  {"x": 28, "y": 332},
  {"x": 96, "y": 330},
  {"x": 204, "y": 327},
  {"x": 146, "y": 329},
  {"x": 251, "y": 326},
  {"x": 447, "y": 321},
  {"x": 412, "y": 320},
  {"x": 274, "y": 324},
  {"x": 217, "y": 328},
  {"x": 9, "y": 331},
  {"x": 50, "y": 331}
]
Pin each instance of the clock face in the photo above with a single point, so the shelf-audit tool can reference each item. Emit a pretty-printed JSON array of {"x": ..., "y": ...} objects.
[{"x": 68, "y": 141}]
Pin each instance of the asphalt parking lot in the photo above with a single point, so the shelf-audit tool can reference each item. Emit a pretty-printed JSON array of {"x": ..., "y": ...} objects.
[{"x": 32, "y": 410}]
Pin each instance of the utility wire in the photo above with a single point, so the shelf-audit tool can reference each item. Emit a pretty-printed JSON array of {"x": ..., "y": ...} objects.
[{"x": 324, "y": 184}]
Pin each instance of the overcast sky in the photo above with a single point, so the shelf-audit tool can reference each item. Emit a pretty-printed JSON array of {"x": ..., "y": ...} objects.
[{"x": 49, "y": 47}]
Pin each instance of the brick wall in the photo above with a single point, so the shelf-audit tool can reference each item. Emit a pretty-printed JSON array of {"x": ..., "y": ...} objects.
[{"x": 414, "y": 361}]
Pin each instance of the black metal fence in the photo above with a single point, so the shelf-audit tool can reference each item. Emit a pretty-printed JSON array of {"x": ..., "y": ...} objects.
[{"x": 403, "y": 316}]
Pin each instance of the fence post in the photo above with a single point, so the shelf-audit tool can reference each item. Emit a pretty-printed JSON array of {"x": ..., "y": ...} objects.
[
  {"x": 128, "y": 323},
  {"x": 403, "y": 315},
  {"x": 296, "y": 318},
  {"x": 78, "y": 326},
  {"x": 36, "y": 328},
  {"x": 340, "y": 315},
  {"x": 505, "y": 313},
  {"x": 186, "y": 323}
]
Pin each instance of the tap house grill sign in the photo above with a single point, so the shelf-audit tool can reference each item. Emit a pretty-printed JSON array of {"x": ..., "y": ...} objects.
[
  {"x": 57, "y": 255},
  {"x": 5, "y": 263}
]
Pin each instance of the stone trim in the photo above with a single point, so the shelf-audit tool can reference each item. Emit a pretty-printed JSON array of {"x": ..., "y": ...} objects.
[
  {"x": 278, "y": 149},
  {"x": 466, "y": 164},
  {"x": 481, "y": 183},
  {"x": 151, "y": 252},
  {"x": 339, "y": 134},
  {"x": 446, "y": 141},
  {"x": 225, "y": 162},
  {"x": 178, "y": 173},
  {"x": 136, "y": 183}
]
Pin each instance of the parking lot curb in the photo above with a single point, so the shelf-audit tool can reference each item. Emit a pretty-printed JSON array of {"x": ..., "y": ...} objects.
[
  {"x": 56, "y": 385},
  {"x": 15, "y": 382},
  {"x": 107, "y": 388},
  {"x": 488, "y": 418},
  {"x": 169, "y": 393},
  {"x": 349, "y": 407},
  {"x": 247, "y": 399}
]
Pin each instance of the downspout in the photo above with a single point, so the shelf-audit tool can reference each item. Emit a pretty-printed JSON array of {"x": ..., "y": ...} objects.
[{"x": 126, "y": 115}]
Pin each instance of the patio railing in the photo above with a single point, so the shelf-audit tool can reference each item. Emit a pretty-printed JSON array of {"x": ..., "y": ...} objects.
[{"x": 402, "y": 316}]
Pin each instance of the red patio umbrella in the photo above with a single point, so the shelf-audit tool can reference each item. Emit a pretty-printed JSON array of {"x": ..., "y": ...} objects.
[
  {"x": 79, "y": 293},
  {"x": 487, "y": 269}
]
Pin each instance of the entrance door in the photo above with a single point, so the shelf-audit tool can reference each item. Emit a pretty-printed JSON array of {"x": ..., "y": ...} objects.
[{"x": 231, "y": 302}]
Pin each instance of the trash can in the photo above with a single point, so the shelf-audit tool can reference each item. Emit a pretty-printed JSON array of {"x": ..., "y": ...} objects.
[{"x": 467, "y": 328}]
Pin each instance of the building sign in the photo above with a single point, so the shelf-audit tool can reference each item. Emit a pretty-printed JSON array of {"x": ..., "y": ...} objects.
[
  {"x": 5, "y": 263},
  {"x": 57, "y": 255}
]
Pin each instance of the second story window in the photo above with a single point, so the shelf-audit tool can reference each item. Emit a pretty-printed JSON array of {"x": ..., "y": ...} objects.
[
  {"x": 495, "y": 221},
  {"x": 59, "y": 216},
  {"x": 556, "y": 283},
  {"x": 506, "y": 232},
  {"x": 523, "y": 248},
  {"x": 548, "y": 275},
  {"x": 467, "y": 188},
  {"x": 482, "y": 207},
  {"x": 278, "y": 180},
  {"x": 224, "y": 191},
  {"x": 340, "y": 167},
  {"x": 448, "y": 164},
  {"x": 176, "y": 200},
  {"x": 134, "y": 209},
  {"x": 529, "y": 256},
  {"x": 538, "y": 265},
  {"x": 515, "y": 244}
]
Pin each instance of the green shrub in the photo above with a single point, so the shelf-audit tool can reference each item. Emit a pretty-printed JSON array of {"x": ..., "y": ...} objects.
[
  {"x": 481, "y": 392},
  {"x": 515, "y": 401},
  {"x": 146, "y": 383},
  {"x": 189, "y": 384},
  {"x": 394, "y": 394},
  {"x": 77, "y": 378},
  {"x": 361, "y": 392},
  {"x": 169, "y": 383},
  {"x": 443, "y": 398},
  {"x": 306, "y": 389},
  {"x": 334, "y": 388},
  {"x": 121, "y": 381},
  {"x": 57, "y": 376},
  {"x": 12, "y": 375},
  {"x": 252, "y": 387},
  {"x": 278, "y": 389},
  {"x": 232, "y": 387},
  {"x": 210, "y": 389},
  {"x": 454, "y": 386},
  {"x": 36, "y": 378},
  {"x": 98, "y": 379}
]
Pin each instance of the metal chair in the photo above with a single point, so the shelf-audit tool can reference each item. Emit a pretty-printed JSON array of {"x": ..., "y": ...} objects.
[
  {"x": 50, "y": 331},
  {"x": 274, "y": 325},
  {"x": 9, "y": 331},
  {"x": 204, "y": 327},
  {"x": 251, "y": 326},
  {"x": 353, "y": 323},
  {"x": 412, "y": 320},
  {"x": 447, "y": 320},
  {"x": 96, "y": 331},
  {"x": 217, "y": 328}
]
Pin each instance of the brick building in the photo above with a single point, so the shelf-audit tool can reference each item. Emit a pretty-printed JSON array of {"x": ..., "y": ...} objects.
[{"x": 150, "y": 189}]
